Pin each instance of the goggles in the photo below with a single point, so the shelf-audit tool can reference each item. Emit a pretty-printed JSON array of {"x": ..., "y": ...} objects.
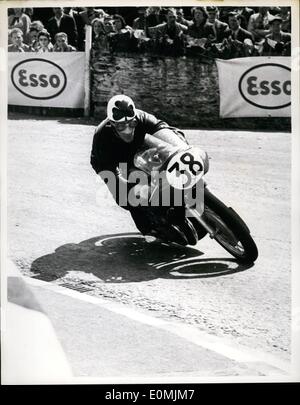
[{"x": 120, "y": 126}]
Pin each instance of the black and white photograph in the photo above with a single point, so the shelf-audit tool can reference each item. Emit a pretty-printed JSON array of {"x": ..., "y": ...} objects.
[{"x": 149, "y": 194}]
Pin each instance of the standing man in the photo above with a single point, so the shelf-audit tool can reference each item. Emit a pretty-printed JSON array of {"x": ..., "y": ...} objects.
[
  {"x": 169, "y": 36},
  {"x": 277, "y": 43},
  {"x": 258, "y": 24},
  {"x": 220, "y": 28},
  {"x": 236, "y": 32},
  {"x": 19, "y": 20},
  {"x": 140, "y": 23},
  {"x": 63, "y": 23}
]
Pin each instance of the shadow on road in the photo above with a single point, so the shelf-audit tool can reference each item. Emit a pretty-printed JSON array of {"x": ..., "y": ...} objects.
[{"x": 129, "y": 258}]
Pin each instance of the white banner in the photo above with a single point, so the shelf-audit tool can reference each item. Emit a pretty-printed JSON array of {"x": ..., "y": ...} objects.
[
  {"x": 255, "y": 87},
  {"x": 46, "y": 80}
]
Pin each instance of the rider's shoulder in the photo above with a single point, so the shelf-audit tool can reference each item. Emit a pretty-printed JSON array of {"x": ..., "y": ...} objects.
[
  {"x": 103, "y": 126},
  {"x": 140, "y": 113},
  {"x": 144, "y": 116}
]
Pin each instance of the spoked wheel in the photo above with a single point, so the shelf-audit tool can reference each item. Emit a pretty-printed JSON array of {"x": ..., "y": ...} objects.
[
  {"x": 224, "y": 235},
  {"x": 230, "y": 231}
]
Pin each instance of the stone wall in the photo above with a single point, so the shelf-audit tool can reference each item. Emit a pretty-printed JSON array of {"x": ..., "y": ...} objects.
[{"x": 183, "y": 91}]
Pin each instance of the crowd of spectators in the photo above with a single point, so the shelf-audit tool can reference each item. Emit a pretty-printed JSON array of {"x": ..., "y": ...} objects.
[{"x": 226, "y": 32}]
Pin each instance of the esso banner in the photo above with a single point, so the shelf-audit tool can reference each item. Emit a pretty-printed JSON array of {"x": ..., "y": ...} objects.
[
  {"x": 255, "y": 87},
  {"x": 46, "y": 80}
]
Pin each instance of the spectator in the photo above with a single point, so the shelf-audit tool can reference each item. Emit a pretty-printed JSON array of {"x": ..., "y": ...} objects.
[
  {"x": 42, "y": 14},
  {"x": 223, "y": 14},
  {"x": 200, "y": 28},
  {"x": 88, "y": 15},
  {"x": 171, "y": 27},
  {"x": 16, "y": 38},
  {"x": 120, "y": 25},
  {"x": 274, "y": 10},
  {"x": 84, "y": 18},
  {"x": 101, "y": 13},
  {"x": 61, "y": 43},
  {"x": 32, "y": 37},
  {"x": 239, "y": 42},
  {"x": 236, "y": 32},
  {"x": 277, "y": 43},
  {"x": 100, "y": 40},
  {"x": 71, "y": 12},
  {"x": 180, "y": 18},
  {"x": 29, "y": 12},
  {"x": 220, "y": 28},
  {"x": 285, "y": 14},
  {"x": 120, "y": 39},
  {"x": 140, "y": 23},
  {"x": 108, "y": 24},
  {"x": 37, "y": 24},
  {"x": 154, "y": 16},
  {"x": 169, "y": 35},
  {"x": 140, "y": 28},
  {"x": 259, "y": 24},
  {"x": 245, "y": 13},
  {"x": 44, "y": 41},
  {"x": 62, "y": 23},
  {"x": 19, "y": 20}
]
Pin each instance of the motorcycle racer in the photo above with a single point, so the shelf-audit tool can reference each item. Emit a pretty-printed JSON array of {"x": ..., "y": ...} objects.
[{"x": 118, "y": 137}]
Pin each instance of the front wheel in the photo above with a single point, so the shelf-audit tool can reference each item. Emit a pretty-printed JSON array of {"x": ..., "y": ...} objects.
[{"x": 230, "y": 231}]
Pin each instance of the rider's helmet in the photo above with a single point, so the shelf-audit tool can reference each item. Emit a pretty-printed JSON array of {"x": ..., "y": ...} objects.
[{"x": 121, "y": 108}]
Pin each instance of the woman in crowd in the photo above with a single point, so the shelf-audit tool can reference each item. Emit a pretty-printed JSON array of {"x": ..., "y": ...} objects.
[
  {"x": 100, "y": 40},
  {"x": 44, "y": 41},
  {"x": 120, "y": 39},
  {"x": 199, "y": 27},
  {"x": 16, "y": 41},
  {"x": 19, "y": 20},
  {"x": 120, "y": 25},
  {"x": 32, "y": 37}
]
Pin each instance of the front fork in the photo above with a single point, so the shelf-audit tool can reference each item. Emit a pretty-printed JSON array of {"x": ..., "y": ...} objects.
[
  {"x": 195, "y": 214},
  {"x": 192, "y": 212}
]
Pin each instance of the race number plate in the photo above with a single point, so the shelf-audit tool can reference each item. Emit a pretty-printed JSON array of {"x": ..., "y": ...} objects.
[{"x": 185, "y": 169}]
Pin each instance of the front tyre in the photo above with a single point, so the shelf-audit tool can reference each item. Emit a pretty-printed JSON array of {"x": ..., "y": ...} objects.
[{"x": 230, "y": 231}]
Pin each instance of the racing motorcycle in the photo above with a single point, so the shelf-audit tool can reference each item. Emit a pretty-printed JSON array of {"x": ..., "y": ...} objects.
[{"x": 180, "y": 170}]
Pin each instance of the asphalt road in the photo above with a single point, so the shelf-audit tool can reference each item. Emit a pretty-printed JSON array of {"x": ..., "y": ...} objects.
[{"x": 65, "y": 229}]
